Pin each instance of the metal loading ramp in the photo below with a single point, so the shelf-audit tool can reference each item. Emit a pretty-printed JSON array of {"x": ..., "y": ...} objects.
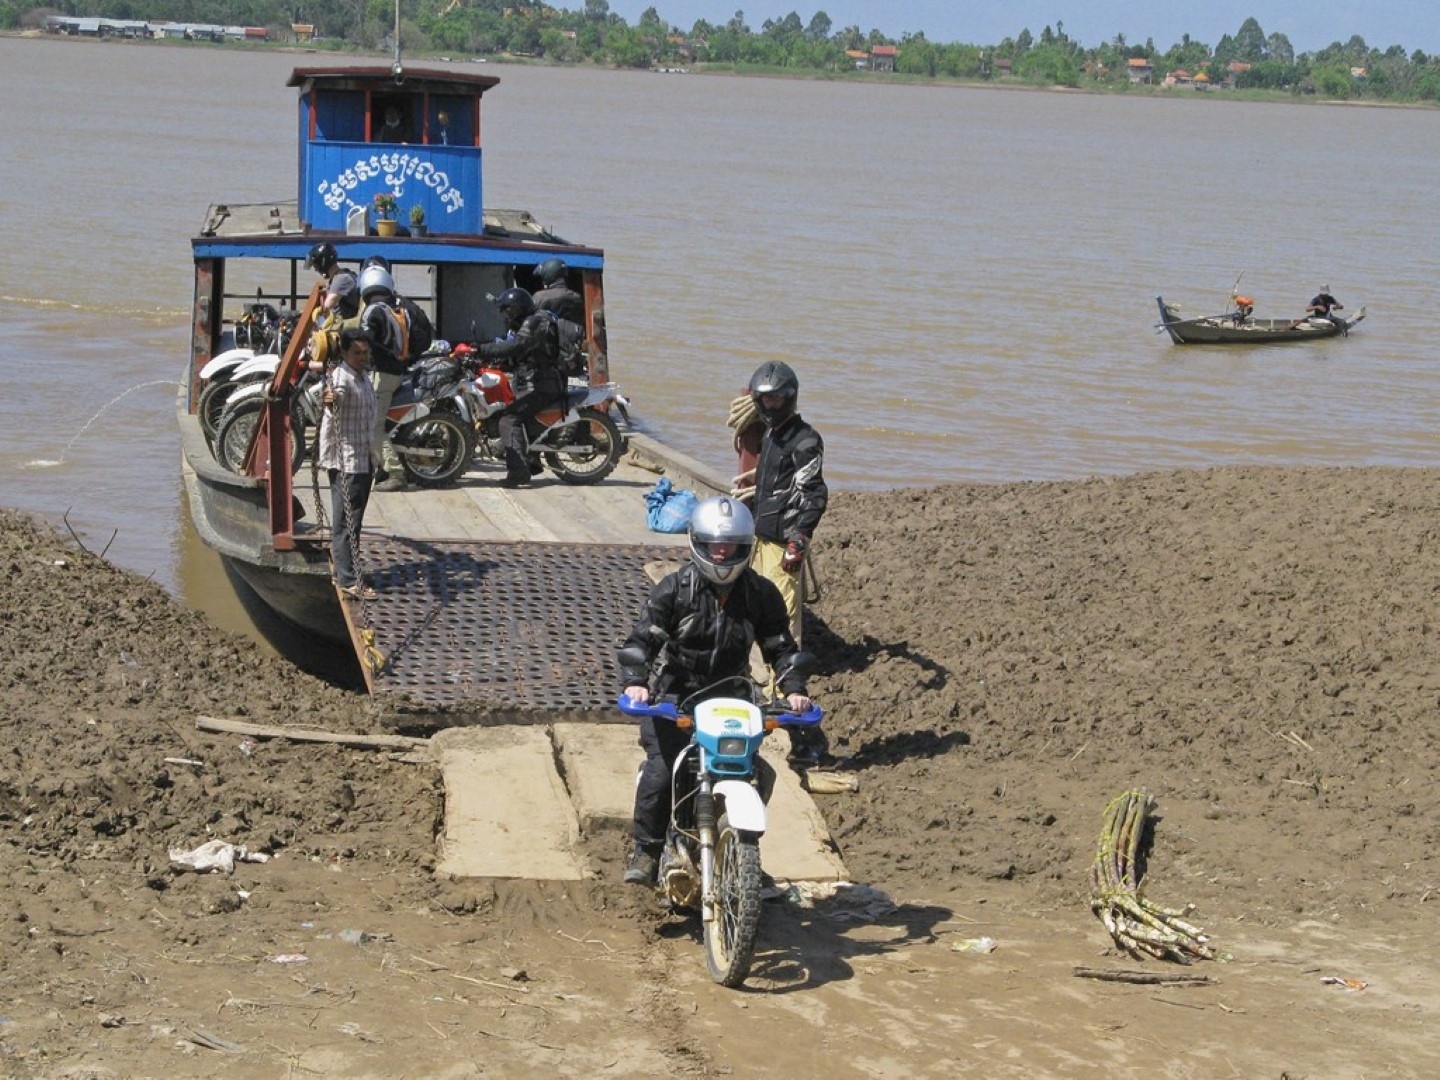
[{"x": 518, "y": 631}]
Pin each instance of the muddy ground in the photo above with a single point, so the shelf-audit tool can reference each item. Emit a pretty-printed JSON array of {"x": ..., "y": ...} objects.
[{"x": 1256, "y": 647}]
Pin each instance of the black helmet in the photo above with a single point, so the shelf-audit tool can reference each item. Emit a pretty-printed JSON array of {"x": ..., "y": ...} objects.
[
  {"x": 774, "y": 377},
  {"x": 518, "y": 301},
  {"x": 722, "y": 538},
  {"x": 375, "y": 260},
  {"x": 550, "y": 271},
  {"x": 322, "y": 258}
]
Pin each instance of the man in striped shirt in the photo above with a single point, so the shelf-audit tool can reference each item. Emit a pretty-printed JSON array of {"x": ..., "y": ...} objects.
[{"x": 346, "y": 449}]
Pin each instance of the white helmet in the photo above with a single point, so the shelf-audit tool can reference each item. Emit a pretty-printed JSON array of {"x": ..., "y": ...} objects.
[
  {"x": 375, "y": 279},
  {"x": 722, "y": 539}
]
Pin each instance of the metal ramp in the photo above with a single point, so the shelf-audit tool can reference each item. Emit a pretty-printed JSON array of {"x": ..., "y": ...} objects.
[{"x": 501, "y": 632}]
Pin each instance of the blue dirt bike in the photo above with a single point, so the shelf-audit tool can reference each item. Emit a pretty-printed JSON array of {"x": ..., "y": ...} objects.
[{"x": 711, "y": 860}]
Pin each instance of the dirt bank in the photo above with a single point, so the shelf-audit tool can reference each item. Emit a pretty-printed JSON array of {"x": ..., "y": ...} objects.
[{"x": 1254, "y": 646}]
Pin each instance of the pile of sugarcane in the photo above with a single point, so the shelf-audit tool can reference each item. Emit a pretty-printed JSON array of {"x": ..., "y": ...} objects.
[{"x": 1138, "y": 926}]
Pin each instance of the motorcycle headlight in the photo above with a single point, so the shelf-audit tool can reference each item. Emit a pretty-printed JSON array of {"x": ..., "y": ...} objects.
[{"x": 731, "y": 747}]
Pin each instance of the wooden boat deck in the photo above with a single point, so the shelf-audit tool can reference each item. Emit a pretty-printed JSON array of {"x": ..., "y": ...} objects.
[{"x": 478, "y": 508}]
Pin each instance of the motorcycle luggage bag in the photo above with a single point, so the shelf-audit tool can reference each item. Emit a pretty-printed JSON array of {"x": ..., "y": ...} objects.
[{"x": 435, "y": 372}]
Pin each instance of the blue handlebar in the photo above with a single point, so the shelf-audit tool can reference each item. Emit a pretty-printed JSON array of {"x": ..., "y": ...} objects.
[{"x": 670, "y": 711}]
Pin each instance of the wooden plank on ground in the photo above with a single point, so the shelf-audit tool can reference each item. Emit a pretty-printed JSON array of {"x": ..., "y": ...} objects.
[{"x": 507, "y": 813}]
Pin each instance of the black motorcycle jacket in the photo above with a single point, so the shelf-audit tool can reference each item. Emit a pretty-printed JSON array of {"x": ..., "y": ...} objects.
[
  {"x": 384, "y": 334},
  {"x": 563, "y": 302},
  {"x": 692, "y": 640},
  {"x": 790, "y": 491},
  {"x": 533, "y": 352}
]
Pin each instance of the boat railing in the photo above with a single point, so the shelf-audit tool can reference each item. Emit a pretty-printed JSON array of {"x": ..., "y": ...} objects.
[{"x": 270, "y": 441}]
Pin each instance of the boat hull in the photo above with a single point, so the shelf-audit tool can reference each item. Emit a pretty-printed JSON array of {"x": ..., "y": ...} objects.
[
  {"x": 230, "y": 515},
  {"x": 1225, "y": 330}
]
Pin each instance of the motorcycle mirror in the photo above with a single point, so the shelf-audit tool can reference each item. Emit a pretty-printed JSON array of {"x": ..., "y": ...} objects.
[{"x": 632, "y": 656}]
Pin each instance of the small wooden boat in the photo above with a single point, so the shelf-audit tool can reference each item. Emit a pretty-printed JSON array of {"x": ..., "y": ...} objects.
[{"x": 1240, "y": 328}]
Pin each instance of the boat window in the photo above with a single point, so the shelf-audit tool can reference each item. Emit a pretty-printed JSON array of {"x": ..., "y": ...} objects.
[
  {"x": 450, "y": 121},
  {"x": 340, "y": 115},
  {"x": 392, "y": 118}
]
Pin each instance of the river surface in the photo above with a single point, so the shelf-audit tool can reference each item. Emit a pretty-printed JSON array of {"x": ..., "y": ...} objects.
[{"x": 963, "y": 278}]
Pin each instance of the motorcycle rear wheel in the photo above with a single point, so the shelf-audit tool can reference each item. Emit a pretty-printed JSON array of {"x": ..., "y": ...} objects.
[
  {"x": 442, "y": 435},
  {"x": 592, "y": 451},
  {"x": 730, "y": 935}
]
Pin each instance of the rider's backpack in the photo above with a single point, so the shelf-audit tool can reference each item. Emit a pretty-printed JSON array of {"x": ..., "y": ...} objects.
[
  {"x": 419, "y": 331},
  {"x": 573, "y": 359}
]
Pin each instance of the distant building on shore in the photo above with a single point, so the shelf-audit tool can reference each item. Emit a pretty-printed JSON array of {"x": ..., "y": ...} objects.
[{"x": 89, "y": 26}]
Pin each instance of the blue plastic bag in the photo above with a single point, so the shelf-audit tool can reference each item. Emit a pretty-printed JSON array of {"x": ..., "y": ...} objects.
[{"x": 669, "y": 510}]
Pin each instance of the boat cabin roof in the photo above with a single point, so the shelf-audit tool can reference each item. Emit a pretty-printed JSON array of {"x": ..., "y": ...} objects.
[{"x": 409, "y": 81}]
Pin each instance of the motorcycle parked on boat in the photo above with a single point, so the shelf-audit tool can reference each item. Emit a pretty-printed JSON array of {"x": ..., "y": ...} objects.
[
  {"x": 577, "y": 439},
  {"x": 242, "y": 413},
  {"x": 711, "y": 859},
  {"x": 259, "y": 337},
  {"x": 430, "y": 420}
]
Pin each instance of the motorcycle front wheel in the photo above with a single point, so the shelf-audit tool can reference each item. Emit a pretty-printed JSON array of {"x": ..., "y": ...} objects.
[
  {"x": 434, "y": 450},
  {"x": 237, "y": 423},
  {"x": 590, "y": 449},
  {"x": 730, "y": 935}
]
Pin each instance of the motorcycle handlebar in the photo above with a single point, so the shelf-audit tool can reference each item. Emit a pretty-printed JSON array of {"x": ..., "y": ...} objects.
[{"x": 668, "y": 710}]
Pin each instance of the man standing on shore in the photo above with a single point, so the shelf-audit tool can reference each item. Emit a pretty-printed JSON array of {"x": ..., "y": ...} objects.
[
  {"x": 789, "y": 499},
  {"x": 346, "y": 447}
]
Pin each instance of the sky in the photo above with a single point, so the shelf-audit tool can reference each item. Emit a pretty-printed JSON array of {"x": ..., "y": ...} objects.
[{"x": 1309, "y": 24}]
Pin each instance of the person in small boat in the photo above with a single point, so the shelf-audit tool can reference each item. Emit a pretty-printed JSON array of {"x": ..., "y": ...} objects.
[
  {"x": 531, "y": 354},
  {"x": 346, "y": 446},
  {"x": 556, "y": 296},
  {"x": 342, "y": 287},
  {"x": 377, "y": 320},
  {"x": 696, "y": 628},
  {"x": 1323, "y": 305},
  {"x": 1244, "y": 308}
]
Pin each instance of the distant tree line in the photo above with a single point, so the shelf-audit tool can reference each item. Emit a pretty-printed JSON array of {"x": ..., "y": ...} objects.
[{"x": 593, "y": 34}]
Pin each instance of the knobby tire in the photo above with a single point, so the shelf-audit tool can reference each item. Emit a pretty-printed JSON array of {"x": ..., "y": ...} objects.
[
  {"x": 602, "y": 441},
  {"x": 730, "y": 936},
  {"x": 438, "y": 431}
]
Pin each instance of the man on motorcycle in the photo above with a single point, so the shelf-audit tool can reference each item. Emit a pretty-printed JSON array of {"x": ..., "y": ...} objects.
[
  {"x": 696, "y": 629},
  {"x": 377, "y": 319},
  {"x": 342, "y": 288},
  {"x": 532, "y": 355},
  {"x": 557, "y": 297}
]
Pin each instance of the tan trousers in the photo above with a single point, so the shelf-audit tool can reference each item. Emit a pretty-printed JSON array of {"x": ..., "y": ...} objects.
[{"x": 768, "y": 556}]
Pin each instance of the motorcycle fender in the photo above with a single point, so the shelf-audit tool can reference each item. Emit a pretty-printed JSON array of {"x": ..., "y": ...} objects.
[
  {"x": 264, "y": 364},
  {"x": 742, "y": 805},
  {"x": 227, "y": 359}
]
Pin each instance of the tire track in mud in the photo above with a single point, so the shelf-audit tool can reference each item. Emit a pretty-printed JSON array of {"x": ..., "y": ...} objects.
[{"x": 681, "y": 1042}]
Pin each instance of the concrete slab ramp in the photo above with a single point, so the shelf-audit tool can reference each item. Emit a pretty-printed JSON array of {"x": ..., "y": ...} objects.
[{"x": 524, "y": 801}]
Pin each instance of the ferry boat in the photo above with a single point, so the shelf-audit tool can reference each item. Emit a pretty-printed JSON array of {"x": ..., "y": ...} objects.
[{"x": 550, "y": 564}]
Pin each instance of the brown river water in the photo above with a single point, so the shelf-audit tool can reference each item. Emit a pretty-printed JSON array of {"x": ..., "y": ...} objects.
[{"x": 964, "y": 278}]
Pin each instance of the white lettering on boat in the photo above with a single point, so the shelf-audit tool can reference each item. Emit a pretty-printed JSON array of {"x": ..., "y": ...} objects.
[{"x": 395, "y": 169}]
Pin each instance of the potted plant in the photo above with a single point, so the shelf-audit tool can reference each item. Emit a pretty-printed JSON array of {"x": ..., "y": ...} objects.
[
  {"x": 417, "y": 220},
  {"x": 384, "y": 204}
]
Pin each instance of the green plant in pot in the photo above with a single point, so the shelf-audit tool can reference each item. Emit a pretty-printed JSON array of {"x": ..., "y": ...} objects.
[{"x": 417, "y": 220}]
